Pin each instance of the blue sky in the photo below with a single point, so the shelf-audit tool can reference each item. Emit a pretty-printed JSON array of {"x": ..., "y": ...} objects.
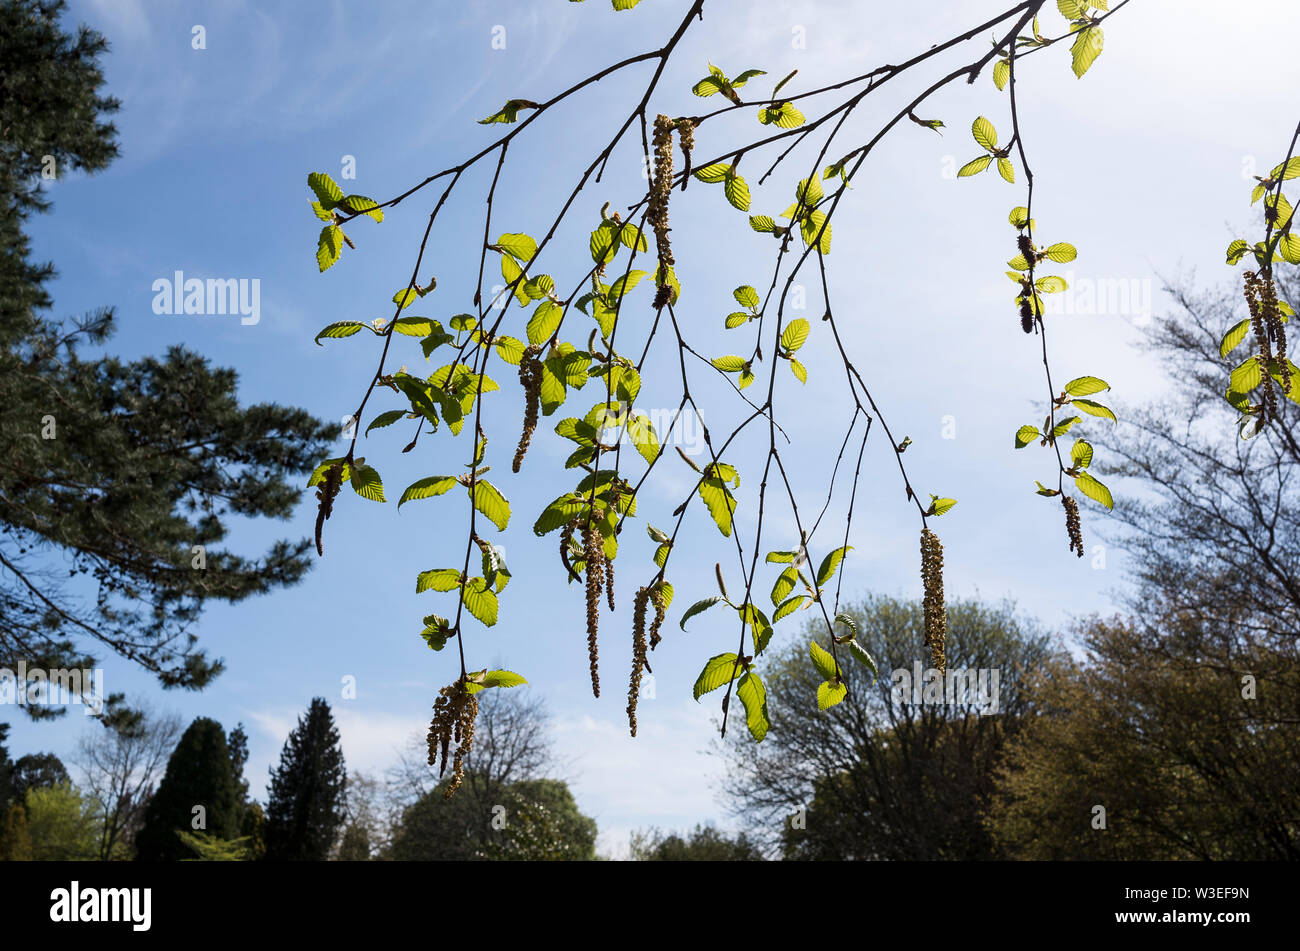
[{"x": 1143, "y": 165}]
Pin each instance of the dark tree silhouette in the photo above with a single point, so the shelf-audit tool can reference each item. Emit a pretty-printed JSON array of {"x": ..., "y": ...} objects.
[{"x": 308, "y": 798}]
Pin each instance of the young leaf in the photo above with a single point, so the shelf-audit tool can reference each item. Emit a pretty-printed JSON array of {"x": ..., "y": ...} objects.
[
  {"x": 480, "y": 600},
  {"x": 753, "y": 695},
  {"x": 426, "y": 488},
  {"x": 489, "y": 500},
  {"x": 1093, "y": 489},
  {"x": 697, "y": 608},
  {"x": 1025, "y": 435},
  {"x": 984, "y": 133},
  {"x": 830, "y": 564},
  {"x": 438, "y": 579},
  {"x": 829, "y": 694},
  {"x": 1094, "y": 409},
  {"x": 823, "y": 661},
  {"x": 719, "y": 670},
  {"x": 1086, "y": 386},
  {"x": 365, "y": 482}
]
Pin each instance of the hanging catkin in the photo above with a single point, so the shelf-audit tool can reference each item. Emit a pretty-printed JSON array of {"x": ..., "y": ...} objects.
[{"x": 936, "y": 621}]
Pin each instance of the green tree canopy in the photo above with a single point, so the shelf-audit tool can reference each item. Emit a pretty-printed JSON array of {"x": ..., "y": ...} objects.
[
  {"x": 198, "y": 774},
  {"x": 877, "y": 776}
]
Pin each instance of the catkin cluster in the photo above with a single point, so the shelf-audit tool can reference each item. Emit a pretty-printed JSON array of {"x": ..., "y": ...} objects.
[
  {"x": 1072, "y": 527},
  {"x": 638, "y": 654},
  {"x": 530, "y": 377},
  {"x": 1266, "y": 323},
  {"x": 593, "y": 549},
  {"x": 454, "y": 712},
  {"x": 326, "y": 492},
  {"x": 662, "y": 184},
  {"x": 936, "y": 620},
  {"x": 661, "y": 612}
]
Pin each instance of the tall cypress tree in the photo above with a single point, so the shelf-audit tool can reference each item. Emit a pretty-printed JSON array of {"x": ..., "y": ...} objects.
[
  {"x": 113, "y": 471},
  {"x": 308, "y": 797},
  {"x": 198, "y": 774}
]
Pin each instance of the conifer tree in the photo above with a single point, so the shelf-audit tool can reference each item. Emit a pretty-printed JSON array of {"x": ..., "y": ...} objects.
[
  {"x": 117, "y": 474},
  {"x": 198, "y": 775},
  {"x": 308, "y": 797}
]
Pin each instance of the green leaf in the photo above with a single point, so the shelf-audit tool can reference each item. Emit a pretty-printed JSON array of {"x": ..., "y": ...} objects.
[
  {"x": 1094, "y": 409},
  {"x": 1235, "y": 335},
  {"x": 544, "y": 322},
  {"x": 1081, "y": 454},
  {"x": 697, "y": 608},
  {"x": 510, "y": 350},
  {"x": 439, "y": 579},
  {"x": 798, "y": 370},
  {"x": 1001, "y": 74},
  {"x": 1237, "y": 250},
  {"x": 784, "y": 585},
  {"x": 737, "y": 191},
  {"x": 788, "y": 607},
  {"x": 813, "y": 225},
  {"x": 624, "y": 283},
  {"x": 509, "y": 112},
  {"x": 327, "y": 190},
  {"x": 823, "y": 661},
  {"x": 340, "y": 328},
  {"x": 746, "y": 76},
  {"x": 489, "y": 500},
  {"x": 361, "y": 205},
  {"x": 521, "y": 246},
  {"x": 1007, "y": 170},
  {"x": 426, "y": 488},
  {"x": 329, "y": 246},
  {"x": 1062, "y": 252},
  {"x": 974, "y": 166},
  {"x": 642, "y": 433},
  {"x": 736, "y": 319},
  {"x": 602, "y": 239},
  {"x": 414, "y": 326},
  {"x": 829, "y": 694},
  {"x": 984, "y": 133},
  {"x": 1087, "y": 47},
  {"x": 784, "y": 116},
  {"x": 712, "y": 174},
  {"x": 385, "y": 419},
  {"x": 1051, "y": 284},
  {"x": 830, "y": 563},
  {"x": 480, "y": 600},
  {"x": 707, "y": 86},
  {"x": 1025, "y": 435},
  {"x": 1093, "y": 489},
  {"x": 1063, "y": 426},
  {"x": 1288, "y": 245},
  {"x": 1247, "y": 375},
  {"x": 753, "y": 695},
  {"x": 746, "y": 296},
  {"x": 729, "y": 364},
  {"x": 405, "y": 297},
  {"x": 719, "y": 500},
  {"x": 795, "y": 334},
  {"x": 1086, "y": 386},
  {"x": 719, "y": 670},
  {"x": 938, "y": 506},
  {"x": 762, "y": 224},
  {"x": 503, "y": 678},
  {"x": 633, "y": 237},
  {"x": 1019, "y": 216},
  {"x": 862, "y": 656},
  {"x": 365, "y": 482}
]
